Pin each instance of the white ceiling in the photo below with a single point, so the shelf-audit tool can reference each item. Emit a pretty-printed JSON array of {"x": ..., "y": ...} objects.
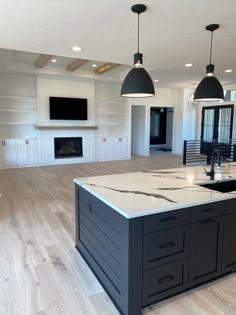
[{"x": 172, "y": 33}]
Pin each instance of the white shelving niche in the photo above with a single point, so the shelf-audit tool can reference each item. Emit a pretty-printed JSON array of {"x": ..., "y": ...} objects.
[
  {"x": 18, "y": 116},
  {"x": 112, "y": 121}
]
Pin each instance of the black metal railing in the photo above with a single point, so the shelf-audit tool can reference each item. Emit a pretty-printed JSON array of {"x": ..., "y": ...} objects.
[{"x": 200, "y": 151}]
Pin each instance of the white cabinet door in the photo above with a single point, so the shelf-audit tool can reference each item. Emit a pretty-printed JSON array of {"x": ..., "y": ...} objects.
[
  {"x": 10, "y": 152},
  {"x": 124, "y": 148},
  {"x": 116, "y": 148},
  {"x": 21, "y": 149},
  {"x": 1, "y": 153},
  {"x": 120, "y": 148},
  {"x": 27, "y": 151},
  {"x": 104, "y": 148},
  {"x": 108, "y": 148},
  {"x": 33, "y": 151},
  {"x": 99, "y": 148}
]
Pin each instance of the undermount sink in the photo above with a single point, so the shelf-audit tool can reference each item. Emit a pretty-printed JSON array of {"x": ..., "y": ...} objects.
[{"x": 222, "y": 186}]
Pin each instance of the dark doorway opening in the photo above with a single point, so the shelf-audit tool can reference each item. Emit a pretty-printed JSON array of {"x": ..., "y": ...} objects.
[{"x": 158, "y": 125}]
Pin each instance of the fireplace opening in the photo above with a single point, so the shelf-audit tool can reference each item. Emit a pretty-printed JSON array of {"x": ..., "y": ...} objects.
[{"x": 68, "y": 147}]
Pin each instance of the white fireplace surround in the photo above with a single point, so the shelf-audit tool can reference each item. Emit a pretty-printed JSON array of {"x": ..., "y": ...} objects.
[{"x": 46, "y": 146}]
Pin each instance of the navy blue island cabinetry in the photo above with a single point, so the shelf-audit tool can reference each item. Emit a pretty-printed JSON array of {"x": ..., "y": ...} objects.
[{"x": 142, "y": 260}]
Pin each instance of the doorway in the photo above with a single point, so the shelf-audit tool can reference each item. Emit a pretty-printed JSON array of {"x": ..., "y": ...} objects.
[
  {"x": 161, "y": 128},
  {"x": 157, "y": 125}
]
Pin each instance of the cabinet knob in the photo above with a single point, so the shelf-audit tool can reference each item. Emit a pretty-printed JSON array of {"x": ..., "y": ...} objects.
[
  {"x": 104, "y": 140},
  {"x": 120, "y": 139},
  {"x": 26, "y": 141}
]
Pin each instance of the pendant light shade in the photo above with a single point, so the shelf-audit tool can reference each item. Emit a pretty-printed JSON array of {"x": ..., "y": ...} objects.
[
  {"x": 138, "y": 82},
  {"x": 209, "y": 89}
]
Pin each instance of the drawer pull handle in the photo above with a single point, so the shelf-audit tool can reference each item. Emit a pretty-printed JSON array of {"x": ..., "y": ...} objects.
[
  {"x": 166, "y": 245},
  {"x": 208, "y": 210},
  {"x": 168, "y": 219},
  {"x": 90, "y": 208},
  {"x": 207, "y": 221},
  {"x": 165, "y": 279}
]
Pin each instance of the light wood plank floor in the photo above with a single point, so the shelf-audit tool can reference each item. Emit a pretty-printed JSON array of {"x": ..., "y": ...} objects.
[{"x": 41, "y": 273}]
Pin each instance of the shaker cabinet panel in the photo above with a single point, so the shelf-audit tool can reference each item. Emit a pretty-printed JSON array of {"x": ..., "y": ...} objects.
[
  {"x": 166, "y": 220},
  {"x": 230, "y": 205},
  {"x": 165, "y": 246},
  {"x": 229, "y": 243},
  {"x": 163, "y": 281},
  {"x": 208, "y": 210},
  {"x": 205, "y": 250}
]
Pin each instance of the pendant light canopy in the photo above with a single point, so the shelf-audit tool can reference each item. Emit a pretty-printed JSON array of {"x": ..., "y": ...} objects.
[
  {"x": 138, "y": 82},
  {"x": 209, "y": 89}
]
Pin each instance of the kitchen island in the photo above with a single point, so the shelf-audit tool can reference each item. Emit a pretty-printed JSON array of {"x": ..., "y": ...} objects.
[{"x": 149, "y": 235}]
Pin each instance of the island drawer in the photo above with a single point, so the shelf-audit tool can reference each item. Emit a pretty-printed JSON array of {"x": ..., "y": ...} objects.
[
  {"x": 166, "y": 220},
  {"x": 164, "y": 281},
  {"x": 163, "y": 247},
  {"x": 208, "y": 210},
  {"x": 230, "y": 205}
]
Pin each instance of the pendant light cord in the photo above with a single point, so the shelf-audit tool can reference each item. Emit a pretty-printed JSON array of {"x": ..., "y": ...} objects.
[
  {"x": 211, "y": 46},
  {"x": 138, "y": 32}
]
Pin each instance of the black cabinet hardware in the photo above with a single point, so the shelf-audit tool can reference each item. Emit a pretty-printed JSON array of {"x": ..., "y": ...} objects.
[
  {"x": 168, "y": 219},
  {"x": 165, "y": 279},
  {"x": 166, "y": 245}
]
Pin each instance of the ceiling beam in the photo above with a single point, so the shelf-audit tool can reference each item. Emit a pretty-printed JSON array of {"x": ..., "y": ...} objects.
[
  {"x": 106, "y": 67},
  {"x": 42, "y": 60},
  {"x": 75, "y": 64}
]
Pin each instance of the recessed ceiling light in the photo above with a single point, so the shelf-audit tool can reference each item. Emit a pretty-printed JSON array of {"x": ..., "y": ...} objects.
[
  {"x": 93, "y": 65},
  {"x": 76, "y": 48},
  {"x": 156, "y": 80},
  {"x": 53, "y": 60},
  {"x": 188, "y": 65},
  {"x": 228, "y": 70}
]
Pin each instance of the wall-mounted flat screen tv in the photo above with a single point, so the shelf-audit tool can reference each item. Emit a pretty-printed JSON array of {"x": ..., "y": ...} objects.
[{"x": 66, "y": 108}]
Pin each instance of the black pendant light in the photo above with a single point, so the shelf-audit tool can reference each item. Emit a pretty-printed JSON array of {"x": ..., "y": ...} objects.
[
  {"x": 138, "y": 82},
  {"x": 209, "y": 89}
]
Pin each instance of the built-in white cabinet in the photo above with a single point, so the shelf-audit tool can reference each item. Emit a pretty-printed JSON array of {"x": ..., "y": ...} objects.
[
  {"x": 108, "y": 148},
  {"x": 18, "y": 152},
  {"x": 27, "y": 151},
  {"x": 8, "y": 152},
  {"x": 120, "y": 148},
  {"x": 113, "y": 123}
]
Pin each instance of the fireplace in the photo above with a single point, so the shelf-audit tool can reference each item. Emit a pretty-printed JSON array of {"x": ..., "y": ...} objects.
[{"x": 68, "y": 147}]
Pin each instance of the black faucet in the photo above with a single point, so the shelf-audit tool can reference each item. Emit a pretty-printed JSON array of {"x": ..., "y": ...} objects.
[{"x": 214, "y": 151}]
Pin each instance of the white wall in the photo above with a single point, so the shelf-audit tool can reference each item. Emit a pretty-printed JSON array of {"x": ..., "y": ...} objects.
[
  {"x": 64, "y": 87},
  {"x": 139, "y": 131},
  {"x": 163, "y": 97},
  {"x": 185, "y": 121},
  {"x": 17, "y": 85}
]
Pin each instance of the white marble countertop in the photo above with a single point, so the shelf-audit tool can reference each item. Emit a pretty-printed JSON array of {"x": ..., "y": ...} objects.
[{"x": 144, "y": 193}]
